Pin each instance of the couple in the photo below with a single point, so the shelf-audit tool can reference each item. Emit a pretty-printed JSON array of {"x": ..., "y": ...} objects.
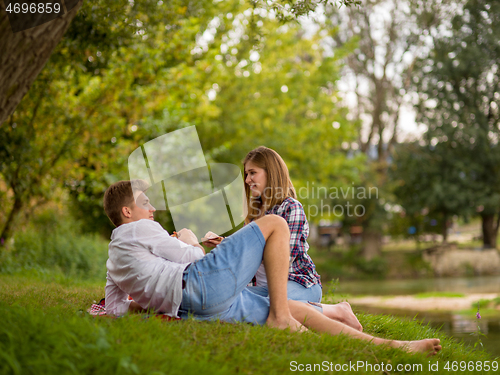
[{"x": 174, "y": 276}]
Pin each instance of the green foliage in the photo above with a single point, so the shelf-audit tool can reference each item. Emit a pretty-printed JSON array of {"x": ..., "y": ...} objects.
[
  {"x": 40, "y": 337},
  {"x": 279, "y": 91},
  {"x": 428, "y": 177},
  {"x": 486, "y": 303},
  {"x": 54, "y": 243},
  {"x": 439, "y": 294},
  {"x": 399, "y": 224},
  {"x": 431, "y": 186},
  {"x": 351, "y": 264},
  {"x": 458, "y": 95},
  {"x": 73, "y": 127},
  {"x": 126, "y": 73},
  {"x": 291, "y": 10},
  {"x": 375, "y": 78}
]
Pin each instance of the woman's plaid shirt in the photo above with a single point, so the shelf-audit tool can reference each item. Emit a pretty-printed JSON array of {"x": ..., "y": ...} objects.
[{"x": 302, "y": 269}]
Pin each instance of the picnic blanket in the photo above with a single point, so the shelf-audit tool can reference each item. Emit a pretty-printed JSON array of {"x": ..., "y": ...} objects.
[{"x": 99, "y": 309}]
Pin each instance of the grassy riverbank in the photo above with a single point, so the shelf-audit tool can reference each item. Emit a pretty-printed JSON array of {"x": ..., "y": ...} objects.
[
  {"x": 45, "y": 331},
  {"x": 49, "y": 276}
]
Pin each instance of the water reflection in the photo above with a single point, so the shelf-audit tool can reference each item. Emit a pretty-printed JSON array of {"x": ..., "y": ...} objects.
[
  {"x": 482, "y": 284},
  {"x": 461, "y": 324},
  {"x": 462, "y": 328}
]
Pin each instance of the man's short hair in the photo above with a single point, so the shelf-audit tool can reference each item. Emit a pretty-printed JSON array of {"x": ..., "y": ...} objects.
[{"x": 119, "y": 195}]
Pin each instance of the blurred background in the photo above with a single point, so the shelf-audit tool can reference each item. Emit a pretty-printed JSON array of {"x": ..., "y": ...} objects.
[{"x": 386, "y": 113}]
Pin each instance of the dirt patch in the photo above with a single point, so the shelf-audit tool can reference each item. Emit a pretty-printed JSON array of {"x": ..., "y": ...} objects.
[{"x": 422, "y": 304}]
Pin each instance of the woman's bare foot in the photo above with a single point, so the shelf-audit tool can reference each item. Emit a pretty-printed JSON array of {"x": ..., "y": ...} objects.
[
  {"x": 342, "y": 312},
  {"x": 429, "y": 346},
  {"x": 285, "y": 323}
]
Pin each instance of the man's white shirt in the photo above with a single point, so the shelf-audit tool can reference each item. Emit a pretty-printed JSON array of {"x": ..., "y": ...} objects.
[{"x": 147, "y": 264}]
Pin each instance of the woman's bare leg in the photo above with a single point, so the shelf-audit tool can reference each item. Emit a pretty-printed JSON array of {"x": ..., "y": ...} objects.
[
  {"x": 312, "y": 318},
  {"x": 342, "y": 312}
]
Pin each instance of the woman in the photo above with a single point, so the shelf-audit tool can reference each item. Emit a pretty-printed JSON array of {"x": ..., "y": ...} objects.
[{"x": 269, "y": 190}]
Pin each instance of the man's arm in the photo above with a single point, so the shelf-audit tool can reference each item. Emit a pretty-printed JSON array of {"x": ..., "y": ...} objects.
[
  {"x": 161, "y": 244},
  {"x": 117, "y": 302}
]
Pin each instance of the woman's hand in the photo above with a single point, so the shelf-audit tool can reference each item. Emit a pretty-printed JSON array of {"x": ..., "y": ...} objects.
[{"x": 211, "y": 239}]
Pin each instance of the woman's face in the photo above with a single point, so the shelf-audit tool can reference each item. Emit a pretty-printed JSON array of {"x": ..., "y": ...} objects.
[{"x": 256, "y": 179}]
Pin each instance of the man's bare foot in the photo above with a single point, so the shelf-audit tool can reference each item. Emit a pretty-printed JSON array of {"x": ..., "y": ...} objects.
[
  {"x": 342, "y": 312},
  {"x": 289, "y": 322},
  {"x": 429, "y": 346}
]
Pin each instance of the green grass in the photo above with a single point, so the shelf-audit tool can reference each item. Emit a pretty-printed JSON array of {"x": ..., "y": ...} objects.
[
  {"x": 484, "y": 303},
  {"x": 405, "y": 245},
  {"x": 486, "y": 313},
  {"x": 473, "y": 244},
  {"x": 439, "y": 294},
  {"x": 44, "y": 331}
]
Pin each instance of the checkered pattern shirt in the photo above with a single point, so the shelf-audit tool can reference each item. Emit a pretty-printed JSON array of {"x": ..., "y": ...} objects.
[{"x": 302, "y": 269}]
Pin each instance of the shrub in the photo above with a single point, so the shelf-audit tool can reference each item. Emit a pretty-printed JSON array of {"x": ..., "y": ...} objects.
[{"x": 54, "y": 242}]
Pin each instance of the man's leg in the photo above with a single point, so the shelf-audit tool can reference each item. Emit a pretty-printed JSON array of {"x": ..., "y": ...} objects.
[{"x": 312, "y": 318}]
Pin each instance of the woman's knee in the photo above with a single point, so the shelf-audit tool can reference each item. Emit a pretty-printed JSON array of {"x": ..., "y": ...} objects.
[{"x": 271, "y": 223}]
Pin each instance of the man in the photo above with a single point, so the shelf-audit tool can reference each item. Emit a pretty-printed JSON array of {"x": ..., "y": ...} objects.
[{"x": 174, "y": 276}]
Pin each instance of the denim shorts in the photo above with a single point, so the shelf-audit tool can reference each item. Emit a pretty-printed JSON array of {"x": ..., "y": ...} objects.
[
  {"x": 295, "y": 291},
  {"x": 215, "y": 286}
]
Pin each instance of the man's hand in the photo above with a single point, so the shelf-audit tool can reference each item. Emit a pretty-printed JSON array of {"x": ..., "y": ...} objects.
[
  {"x": 187, "y": 236},
  {"x": 134, "y": 307},
  {"x": 211, "y": 239}
]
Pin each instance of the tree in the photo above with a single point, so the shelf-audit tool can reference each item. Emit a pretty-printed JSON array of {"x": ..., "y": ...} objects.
[
  {"x": 24, "y": 54},
  {"x": 378, "y": 74},
  {"x": 94, "y": 86},
  {"x": 379, "y": 70},
  {"x": 110, "y": 85},
  {"x": 459, "y": 97},
  {"x": 429, "y": 178},
  {"x": 241, "y": 94},
  {"x": 260, "y": 82}
]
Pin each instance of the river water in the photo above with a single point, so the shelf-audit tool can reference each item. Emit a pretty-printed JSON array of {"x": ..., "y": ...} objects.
[{"x": 461, "y": 327}]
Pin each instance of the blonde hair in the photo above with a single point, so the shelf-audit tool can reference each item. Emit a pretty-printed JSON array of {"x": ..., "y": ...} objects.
[{"x": 278, "y": 186}]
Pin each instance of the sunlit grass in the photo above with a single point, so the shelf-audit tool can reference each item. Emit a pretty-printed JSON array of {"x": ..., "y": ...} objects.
[
  {"x": 44, "y": 331},
  {"x": 439, "y": 294}
]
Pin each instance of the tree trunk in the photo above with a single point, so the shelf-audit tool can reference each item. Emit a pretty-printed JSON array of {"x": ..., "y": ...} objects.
[
  {"x": 7, "y": 229},
  {"x": 24, "y": 54},
  {"x": 444, "y": 228},
  {"x": 372, "y": 244},
  {"x": 489, "y": 231}
]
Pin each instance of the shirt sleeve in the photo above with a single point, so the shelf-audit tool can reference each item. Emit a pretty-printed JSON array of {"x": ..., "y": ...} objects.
[
  {"x": 164, "y": 246},
  {"x": 297, "y": 222},
  {"x": 117, "y": 302}
]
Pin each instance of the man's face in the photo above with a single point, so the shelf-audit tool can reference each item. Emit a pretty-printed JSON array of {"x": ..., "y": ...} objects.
[{"x": 142, "y": 209}]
